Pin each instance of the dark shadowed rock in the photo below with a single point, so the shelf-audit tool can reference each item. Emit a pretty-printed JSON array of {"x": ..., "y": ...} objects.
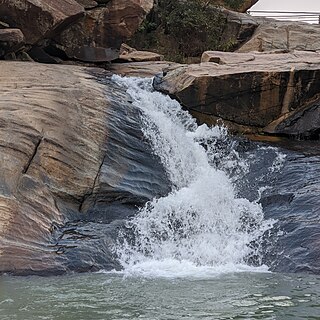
[
  {"x": 39, "y": 19},
  {"x": 11, "y": 40},
  {"x": 74, "y": 164},
  {"x": 250, "y": 90},
  {"x": 88, "y": 4}
]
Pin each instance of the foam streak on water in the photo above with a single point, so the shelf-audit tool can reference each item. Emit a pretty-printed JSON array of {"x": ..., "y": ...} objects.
[{"x": 201, "y": 227}]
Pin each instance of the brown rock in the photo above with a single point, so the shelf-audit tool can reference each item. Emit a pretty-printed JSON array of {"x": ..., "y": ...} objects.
[
  {"x": 140, "y": 69},
  {"x": 73, "y": 165},
  {"x": 104, "y": 28},
  {"x": 140, "y": 56},
  {"x": 283, "y": 35},
  {"x": 11, "y": 40},
  {"x": 51, "y": 148},
  {"x": 39, "y": 19},
  {"x": 253, "y": 92}
]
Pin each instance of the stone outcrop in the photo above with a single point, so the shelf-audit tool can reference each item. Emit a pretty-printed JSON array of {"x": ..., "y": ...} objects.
[
  {"x": 99, "y": 34},
  {"x": 11, "y": 40},
  {"x": 248, "y": 91},
  {"x": 140, "y": 69},
  {"x": 134, "y": 55},
  {"x": 283, "y": 35},
  {"x": 85, "y": 30},
  {"x": 72, "y": 166},
  {"x": 39, "y": 19}
]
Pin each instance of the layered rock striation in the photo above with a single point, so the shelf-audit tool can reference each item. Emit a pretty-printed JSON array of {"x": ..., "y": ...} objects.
[
  {"x": 74, "y": 165},
  {"x": 250, "y": 92}
]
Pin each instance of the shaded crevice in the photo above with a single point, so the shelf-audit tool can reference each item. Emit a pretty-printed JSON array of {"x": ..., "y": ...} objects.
[
  {"x": 36, "y": 148},
  {"x": 88, "y": 194}
]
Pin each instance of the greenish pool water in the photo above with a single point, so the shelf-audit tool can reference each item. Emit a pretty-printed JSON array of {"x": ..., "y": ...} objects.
[{"x": 112, "y": 296}]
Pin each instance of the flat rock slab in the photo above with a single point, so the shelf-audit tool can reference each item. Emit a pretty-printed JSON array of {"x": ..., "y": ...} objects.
[
  {"x": 140, "y": 69},
  {"x": 250, "y": 89}
]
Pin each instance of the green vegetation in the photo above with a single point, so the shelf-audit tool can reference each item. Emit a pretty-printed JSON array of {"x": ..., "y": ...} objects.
[{"x": 180, "y": 29}]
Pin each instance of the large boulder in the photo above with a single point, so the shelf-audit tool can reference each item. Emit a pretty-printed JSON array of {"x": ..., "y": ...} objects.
[
  {"x": 11, "y": 40},
  {"x": 39, "y": 19},
  {"x": 250, "y": 90},
  {"x": 284, "y": 35},
  {"x": 73, "y": 164},
  {"x": 99, "y": 34}
]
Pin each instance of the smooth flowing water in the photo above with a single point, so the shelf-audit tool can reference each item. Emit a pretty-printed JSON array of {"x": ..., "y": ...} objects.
[{"x": 202, "y": 251}]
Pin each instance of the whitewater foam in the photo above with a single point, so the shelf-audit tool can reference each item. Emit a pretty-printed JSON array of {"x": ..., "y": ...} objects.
[{"x": 201, "y": 227}]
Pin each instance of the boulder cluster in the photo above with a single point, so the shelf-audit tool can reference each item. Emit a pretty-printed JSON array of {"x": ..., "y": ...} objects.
[{"x": 51, "y": 31}]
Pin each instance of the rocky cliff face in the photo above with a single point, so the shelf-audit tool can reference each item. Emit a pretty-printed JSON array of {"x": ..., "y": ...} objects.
[
  {"x": 68, "y": 29},
  {"x": 70, "y": 149},
  {"x": 250, "y": 92}
]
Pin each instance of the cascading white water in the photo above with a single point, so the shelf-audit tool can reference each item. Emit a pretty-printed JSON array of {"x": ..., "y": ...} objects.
[{"x": 201, "y": 227}]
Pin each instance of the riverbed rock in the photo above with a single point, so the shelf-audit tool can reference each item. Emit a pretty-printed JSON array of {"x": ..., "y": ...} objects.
[
  {"x": 284, "y": 35},
  {"x": 253, "y": 90},
  {"x": 73, "y": 162},
  {"x": 39, "y": 19}
]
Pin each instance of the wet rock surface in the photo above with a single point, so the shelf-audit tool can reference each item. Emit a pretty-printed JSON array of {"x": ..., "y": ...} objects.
[
  {"x": 73, "y": 163},
  {"x": 286, "y": 182}
]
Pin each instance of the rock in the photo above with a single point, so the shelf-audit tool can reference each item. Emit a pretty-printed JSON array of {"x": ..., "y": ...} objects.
[
  {"x": 237, "y": 30},
  {"x": 140, "y": 56},
  {"x": 303, "y": 123},
  {"x": 140, "y": 69},
  {"x": 70, "y": 149},
  {"x": 283, "y": 35},
  {"x": 99, "y": 34},
  {"x": 11, "y": 40},
  {"x": 241, "y": 6},
  {"x": 88, "y": 4},
  {"x": 220, "y": 57},
  {"x": 247, "y": 92},
  {"x": 39, "y": 19}
]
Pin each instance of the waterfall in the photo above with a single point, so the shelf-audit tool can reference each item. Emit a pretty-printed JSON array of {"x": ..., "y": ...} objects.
[{"x": 202, "y": 226}]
